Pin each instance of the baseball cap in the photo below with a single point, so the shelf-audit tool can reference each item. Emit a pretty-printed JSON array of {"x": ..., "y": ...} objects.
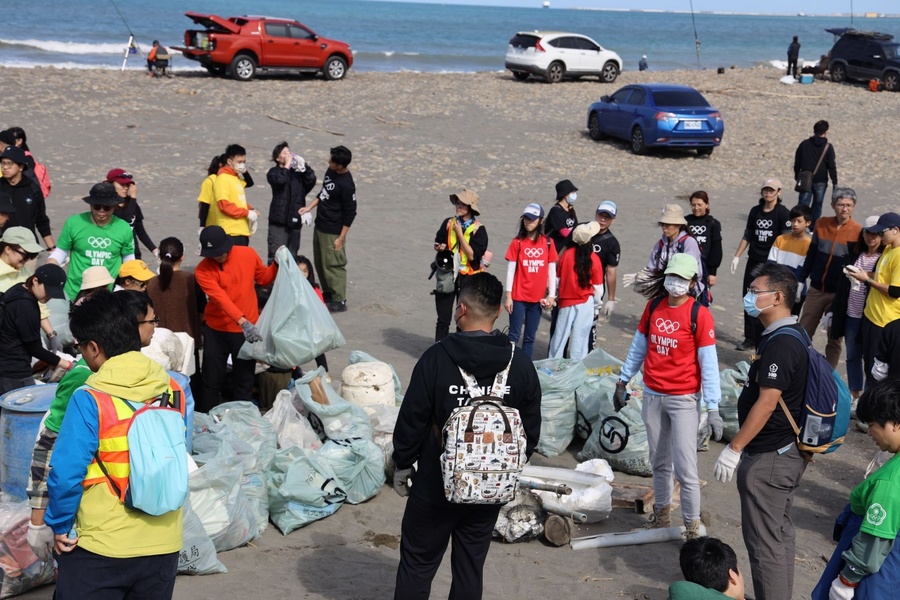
[
  {"x": 22, "y": 237},
  {"x": 15, "y": 154},
  {"x": 103, "y": 193},
  {"x": 584, "y": 232},
  {"x": 94, "y": 277},
  {"x": 53, "y": 279},
  {"x": 885, "y": 221},
  {"x": 214, "y": 242},
  {"x": 772, "y": 182},
  {"x": 119, "y": 176},
  {"x": 136, "y": 269},
  {"x": 608, "y": 207},
  {"x": 683, "y": 265},
  {"x": 534, "y": 210}
]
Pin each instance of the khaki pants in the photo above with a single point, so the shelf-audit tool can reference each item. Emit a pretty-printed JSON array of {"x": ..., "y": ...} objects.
[
  {"x": 817, "y": 304},
  {"x": 331, "y": 265}
]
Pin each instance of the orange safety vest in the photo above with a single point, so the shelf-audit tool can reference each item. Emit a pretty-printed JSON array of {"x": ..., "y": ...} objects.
[
  {"x": 464, "y": 267},
  {"x": 114, "y": 419}
]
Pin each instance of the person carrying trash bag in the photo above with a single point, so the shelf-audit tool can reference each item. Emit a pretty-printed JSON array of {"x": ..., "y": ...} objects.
[{"x": 676, "y": 342}]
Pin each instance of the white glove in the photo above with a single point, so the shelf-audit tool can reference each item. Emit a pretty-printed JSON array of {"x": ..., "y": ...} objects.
[
  {"x": 628, "y": 279},
  {"x": 879, "y": 370},
  {"x": 40, "y": 538},
  {"x": 727, "y": 463},
  {"x": 253, "y": 221},
  {"x": 609, "y": 307},
  {"x": 306, "y": 219},
  {"x": 840, "y": 591},
  {"x": 199, "y": 245},
  {"x": 799, "y": 294},
  {"x": 826, "y": 320},
  {"x": 597, "y": 309},
  {"x": 734, "y": 264}
]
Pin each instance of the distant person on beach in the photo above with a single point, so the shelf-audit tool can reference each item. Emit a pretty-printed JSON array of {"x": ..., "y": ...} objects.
[
  {"x": 606, "y": 247},
  {"x": 291, "y": 180},
  {"x": 707, "y": 230},
  {"x": 157, "y": 58},
  {"x": 128, "y": 209},
  {"x": 807, "y": 158},
  {"x": 28, "y": 200},
  {"x": 793, "y": 55},
  {"x": 642, "y": 64},
  {"x": 230, "y": 209}
]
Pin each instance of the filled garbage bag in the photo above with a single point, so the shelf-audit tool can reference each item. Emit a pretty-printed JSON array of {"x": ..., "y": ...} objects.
[
  {"x": 358, "y": 464},
  {"x": 357, "y": 356},
  {"x": 520, "y": 520},
  {"x": 559, "y": 379},
  {"x": 337, "y": 420},
  {"x": 302, "y": 489},
  {"x": 198, "y": 553},
  {"x": 595, "y": 500},
  {"x": 384, "y": 419},
  {"x": 732, "y": 382},
  {"x": 20, "y": 569},
  {"x": 244, "y": 420},
  {"x": 295, "y": 325},
  {"x": 291, "y": 427},
  {"x": 597, "y": 364}
]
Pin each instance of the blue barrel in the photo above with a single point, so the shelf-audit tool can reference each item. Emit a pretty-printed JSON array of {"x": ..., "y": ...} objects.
[{"x": 20, "y": 420}]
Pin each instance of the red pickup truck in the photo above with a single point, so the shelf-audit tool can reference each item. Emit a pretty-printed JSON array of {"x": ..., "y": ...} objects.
[{"x": 241, "y": 46}]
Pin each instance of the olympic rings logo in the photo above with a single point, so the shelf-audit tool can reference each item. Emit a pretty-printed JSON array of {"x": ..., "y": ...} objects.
[
  {"x": 697, "y": 229},
  {"x": 666, "y": 326},
  {"x": 533, "y": 252},
  {"x": 99, "y": 243},
  {"x": 764, "y": 223}
]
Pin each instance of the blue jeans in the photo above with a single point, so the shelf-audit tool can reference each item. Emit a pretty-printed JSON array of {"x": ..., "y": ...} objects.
[
  {"x": 854, "y": 354},
  {"x": 813, "y": 199},
  {"x": 574, "y": 327},
  {"x": 530, "y": 314}
]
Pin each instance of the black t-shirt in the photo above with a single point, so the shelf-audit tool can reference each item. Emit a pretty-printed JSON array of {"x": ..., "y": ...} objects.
[
  {"x": 478, "y": 241},
  {"x": 20, "y": 324},
  {"x": 782, "y": 366},
  {"x": 337, "y": 202},
  {"x": 558, "y": 219},
  {"x": 708, "y": 232},
  {"x": 606, "y": 246},
  {"x": 762, "y": 229}
]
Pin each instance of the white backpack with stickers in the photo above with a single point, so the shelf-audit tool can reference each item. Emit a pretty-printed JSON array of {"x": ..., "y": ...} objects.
[{"x": 484, "y": 446}]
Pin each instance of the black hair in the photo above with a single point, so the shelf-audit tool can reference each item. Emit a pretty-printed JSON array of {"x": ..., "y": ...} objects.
[
  {"x": 801, "y": 210},
  {"x": 138, "y": 303},
  {"x": 880, "y": 403},
  {"x": 341, "y": 155},
  {"x": 781, "y": 278},
  {"x": 108, "y": 320},
  {"x": 482, "y": 294},
  {"x": 860, "y": 244},
  {"x": 795, "y": 38},
  {"x": 171, "y": 250},
  {"x": 703, "y": 196},
  {"x": 523, "y": 233},
  {"x": 583, "y": 264},
  {"x": 311, "y": 277},
  {"x": 217, "y": 162},
  {"x": 20, "y": 135},
  {"x": 820, "y": 127},
  {"x": 234, "y": 150},
  {"x": 281, "y": 146},
  {"x": 706, "y": 562}
]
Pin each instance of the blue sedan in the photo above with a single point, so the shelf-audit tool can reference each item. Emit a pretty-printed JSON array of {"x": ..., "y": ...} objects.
[{"x": 657, "y": 114}]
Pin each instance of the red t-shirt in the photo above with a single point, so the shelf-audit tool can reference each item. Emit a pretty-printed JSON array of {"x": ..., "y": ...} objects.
[
  {"x": 532, "y": 260},
  {"x": 570, "y": 293},
  {"x": 671, "y": 366}
]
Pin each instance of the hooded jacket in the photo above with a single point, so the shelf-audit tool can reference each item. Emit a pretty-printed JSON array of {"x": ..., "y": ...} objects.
[
  {"x": 289, "y": 190},
  {"x": 437, "y": 387},
  {"x": 230, "y": 287},
  {"x": 103, "y": 524},
  {"x": 807, "y": 155},
  {"x": 31, "y": 210}
]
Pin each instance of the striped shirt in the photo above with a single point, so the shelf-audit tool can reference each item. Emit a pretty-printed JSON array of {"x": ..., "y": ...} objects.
[{"x": 856, "y": 301}]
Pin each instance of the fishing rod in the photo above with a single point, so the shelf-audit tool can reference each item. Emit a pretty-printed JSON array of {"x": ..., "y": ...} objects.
[
  {"x": 130, "y": 32},
  {"x": 696, "y": 37}
]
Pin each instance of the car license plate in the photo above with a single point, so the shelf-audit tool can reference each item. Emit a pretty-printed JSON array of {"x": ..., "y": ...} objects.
[{"x": 692, "y": 125}]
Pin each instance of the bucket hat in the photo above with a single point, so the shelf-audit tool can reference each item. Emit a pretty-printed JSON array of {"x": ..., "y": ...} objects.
[
  {"x": 683, "y": 265},
  {"x": 672, "y": 214},
  {"x": 467, "y": 197},
  {"x": 15, "y": 154},
  {"x": 214, "y": 242},
  {"x": 564, "y": 188},
  {"x": 94, "y": 277},
  {"x": 103, "y": 193},
  {"x": 22, "y": 237}
]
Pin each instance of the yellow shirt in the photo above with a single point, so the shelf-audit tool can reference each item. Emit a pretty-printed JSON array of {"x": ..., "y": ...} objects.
[
  {"x": 881, "y": 309},
  {"x": 228, "y": 191},
  {"x": 207, "y": 196}
]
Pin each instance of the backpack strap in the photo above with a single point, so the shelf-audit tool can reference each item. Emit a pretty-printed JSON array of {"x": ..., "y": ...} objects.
[
  {"x": 654, "y": 304},
  {"x": 695, "y": 311},
  {"x": 499, "y": 380},
  {"x": 804, "y": 339}
]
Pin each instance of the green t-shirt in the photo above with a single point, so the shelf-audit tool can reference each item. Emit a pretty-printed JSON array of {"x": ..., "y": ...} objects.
[
  {"x": 70, "y": 382},
  {"x": 877, "y": 500},
  {"x": 685, "y": 590},
  {"x": 90, "y": 245}
]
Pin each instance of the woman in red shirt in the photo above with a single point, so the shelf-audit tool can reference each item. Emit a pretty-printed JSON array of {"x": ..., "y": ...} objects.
[
  {"x": 580, "y": 293},
  {"x": 530, "y": 273}
]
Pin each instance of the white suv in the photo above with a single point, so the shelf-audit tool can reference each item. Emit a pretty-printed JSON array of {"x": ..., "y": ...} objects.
[{"x": 555, "y": 55}]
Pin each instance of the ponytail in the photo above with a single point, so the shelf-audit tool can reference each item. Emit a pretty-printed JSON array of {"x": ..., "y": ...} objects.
[{"x": 171, "y": 250}]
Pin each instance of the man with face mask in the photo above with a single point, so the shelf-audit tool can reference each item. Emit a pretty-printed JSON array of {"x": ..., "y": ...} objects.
[
  {"x": 771, "y": 465},
  {"x": 676, "y": 342},
  {"x": 231, "y": 211}
]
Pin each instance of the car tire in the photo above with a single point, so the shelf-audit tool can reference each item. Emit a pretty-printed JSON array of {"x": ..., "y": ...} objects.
[
  {"x": 638, "y": 146},
  {"x": 609, "y": 73},
  {"x": 335, "y": 68},
  {"x": 520, "y": 75},
  {"x": 705, "y": 150},
  {"x": 892, "y": 81},
  {"x": 555, "y": 72},
  {"x": 838, "y": 73},
  {"x": 594, "y": 129},
  {"x": 243, "y": 67}
]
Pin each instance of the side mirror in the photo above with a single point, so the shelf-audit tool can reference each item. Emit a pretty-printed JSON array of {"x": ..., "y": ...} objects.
[
  {"x": 315, "y": 38},
  {"x": 604, "y": 99}
]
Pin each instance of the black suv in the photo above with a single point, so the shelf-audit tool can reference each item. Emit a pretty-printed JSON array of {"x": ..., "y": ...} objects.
[{"x": 865, "y": 55}]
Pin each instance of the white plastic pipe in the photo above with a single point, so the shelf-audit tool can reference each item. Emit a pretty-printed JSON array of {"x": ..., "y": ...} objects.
[
  {"x": 632, "y": 538},
  {"x": 559, "y": 475}
]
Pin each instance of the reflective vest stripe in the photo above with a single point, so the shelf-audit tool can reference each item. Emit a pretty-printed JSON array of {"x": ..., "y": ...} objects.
[{"x": 464, "y": 268}]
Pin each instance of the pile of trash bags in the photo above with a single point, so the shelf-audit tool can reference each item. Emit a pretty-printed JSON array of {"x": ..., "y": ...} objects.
[{"x": 20, "y": 568}]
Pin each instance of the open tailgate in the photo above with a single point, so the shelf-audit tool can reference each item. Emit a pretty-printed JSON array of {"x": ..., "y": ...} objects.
[{"x": 213, "y": 22}]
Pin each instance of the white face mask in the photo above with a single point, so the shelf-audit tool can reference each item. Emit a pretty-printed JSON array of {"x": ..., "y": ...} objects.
[
  {"x": 240, "y": 167},
  {"x": 572, "y": 198},
  {"x": 676, "y": 286}
]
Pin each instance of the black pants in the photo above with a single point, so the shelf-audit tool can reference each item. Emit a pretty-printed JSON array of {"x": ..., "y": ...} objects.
[
  {"x": 240, "y": 240},
  {"x": 752, "y": 327},
  {"x": 217, "y": 346},
  {"x": 443, "y": 303},
  {"x": 871, "y": 338},
  {"x": 792, "y": 67},
  {"x": 424, "y": 534},
  {"x": 83, "y": 574}
]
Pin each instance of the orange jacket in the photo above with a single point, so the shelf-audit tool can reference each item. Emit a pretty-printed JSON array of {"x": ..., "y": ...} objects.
[{"x": 230, "y": 287}]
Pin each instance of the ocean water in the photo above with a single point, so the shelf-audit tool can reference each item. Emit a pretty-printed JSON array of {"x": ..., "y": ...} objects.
[{"x": 395, "y": 36}]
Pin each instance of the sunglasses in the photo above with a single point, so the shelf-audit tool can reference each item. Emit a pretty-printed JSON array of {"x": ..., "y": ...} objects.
[
  {"x": 21, "y": 251},
  {"x": 154, "y": 320},
  {"x": 102, "y": 207}
]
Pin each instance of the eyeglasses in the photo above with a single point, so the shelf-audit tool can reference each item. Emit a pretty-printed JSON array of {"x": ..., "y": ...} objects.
[
  {"x": 102, "y": 207},
  {"x": 7, "y": 165},
  {"x": 760, "y": 292},
  {"x": 154, "y": 320}
]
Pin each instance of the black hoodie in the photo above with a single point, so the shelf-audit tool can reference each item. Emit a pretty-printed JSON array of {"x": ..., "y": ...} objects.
[
  {"x": 807, "y": 155},
  {"x": 436, "y": 388}
]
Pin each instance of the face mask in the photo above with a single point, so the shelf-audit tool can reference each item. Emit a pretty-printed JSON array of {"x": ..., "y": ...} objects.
[
  {"x": 572, "y": 198},
  {"x": 676, "y": 286},
  {"x": 750, "y": 305},
  {"x": 240, "y": 167}
]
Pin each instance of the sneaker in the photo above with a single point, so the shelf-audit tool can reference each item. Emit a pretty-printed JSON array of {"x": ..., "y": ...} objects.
[
  {"x": 337, "y": 306},
  {"x": 745, "y": 345}
]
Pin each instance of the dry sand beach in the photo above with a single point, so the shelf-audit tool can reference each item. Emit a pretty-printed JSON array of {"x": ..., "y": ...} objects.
[{"x": 417, "y": 138}]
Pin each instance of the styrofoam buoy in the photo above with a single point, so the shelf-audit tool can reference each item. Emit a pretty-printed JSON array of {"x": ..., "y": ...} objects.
[{"x": 368, "y": 383}]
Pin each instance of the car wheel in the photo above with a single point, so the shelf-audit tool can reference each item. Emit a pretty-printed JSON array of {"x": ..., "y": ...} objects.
[
  {"x": 705, "y": 150},
  {"x": 594, "y": 129},
  {"x": 520, "y": 75},
  {"x": 838, "y": 73},
  {"x": 892, "y": 81},
  {"x": 609, "y": 73},
  {"x": 637, "y": 141},
  {"x": 335, "y": 68},
  {"x": 243, "y": 67},
  {"x": 555, "y": 72}
]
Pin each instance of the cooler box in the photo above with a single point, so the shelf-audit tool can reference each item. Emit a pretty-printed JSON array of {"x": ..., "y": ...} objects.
[{"x": 806, "y": 78}]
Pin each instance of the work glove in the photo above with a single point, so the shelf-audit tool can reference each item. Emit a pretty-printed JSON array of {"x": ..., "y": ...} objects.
[
  {"x": 306, "y": 219},
  {"x": 826, "y": 320},
  {"x": 840, "y": 591},
  {"x": 199, "y": 245},
  {"x": 55, "y": 343},
  {"x": 251, "y": 333},
  {"x": 620, "y": 397},
  {"x": 727, "y": 463},
  {"x": 716, "y": 425},
  {"x": 628, "y": 279},
  {"x": 40, "y": 538},
  {"x": 734, "y": 264},
  {"x": 401, "y": 481},
  {"x": 609, "y": 307}
]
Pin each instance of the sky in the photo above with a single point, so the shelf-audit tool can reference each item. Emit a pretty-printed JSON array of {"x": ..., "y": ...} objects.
[{"x": 755, "y": 6}]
